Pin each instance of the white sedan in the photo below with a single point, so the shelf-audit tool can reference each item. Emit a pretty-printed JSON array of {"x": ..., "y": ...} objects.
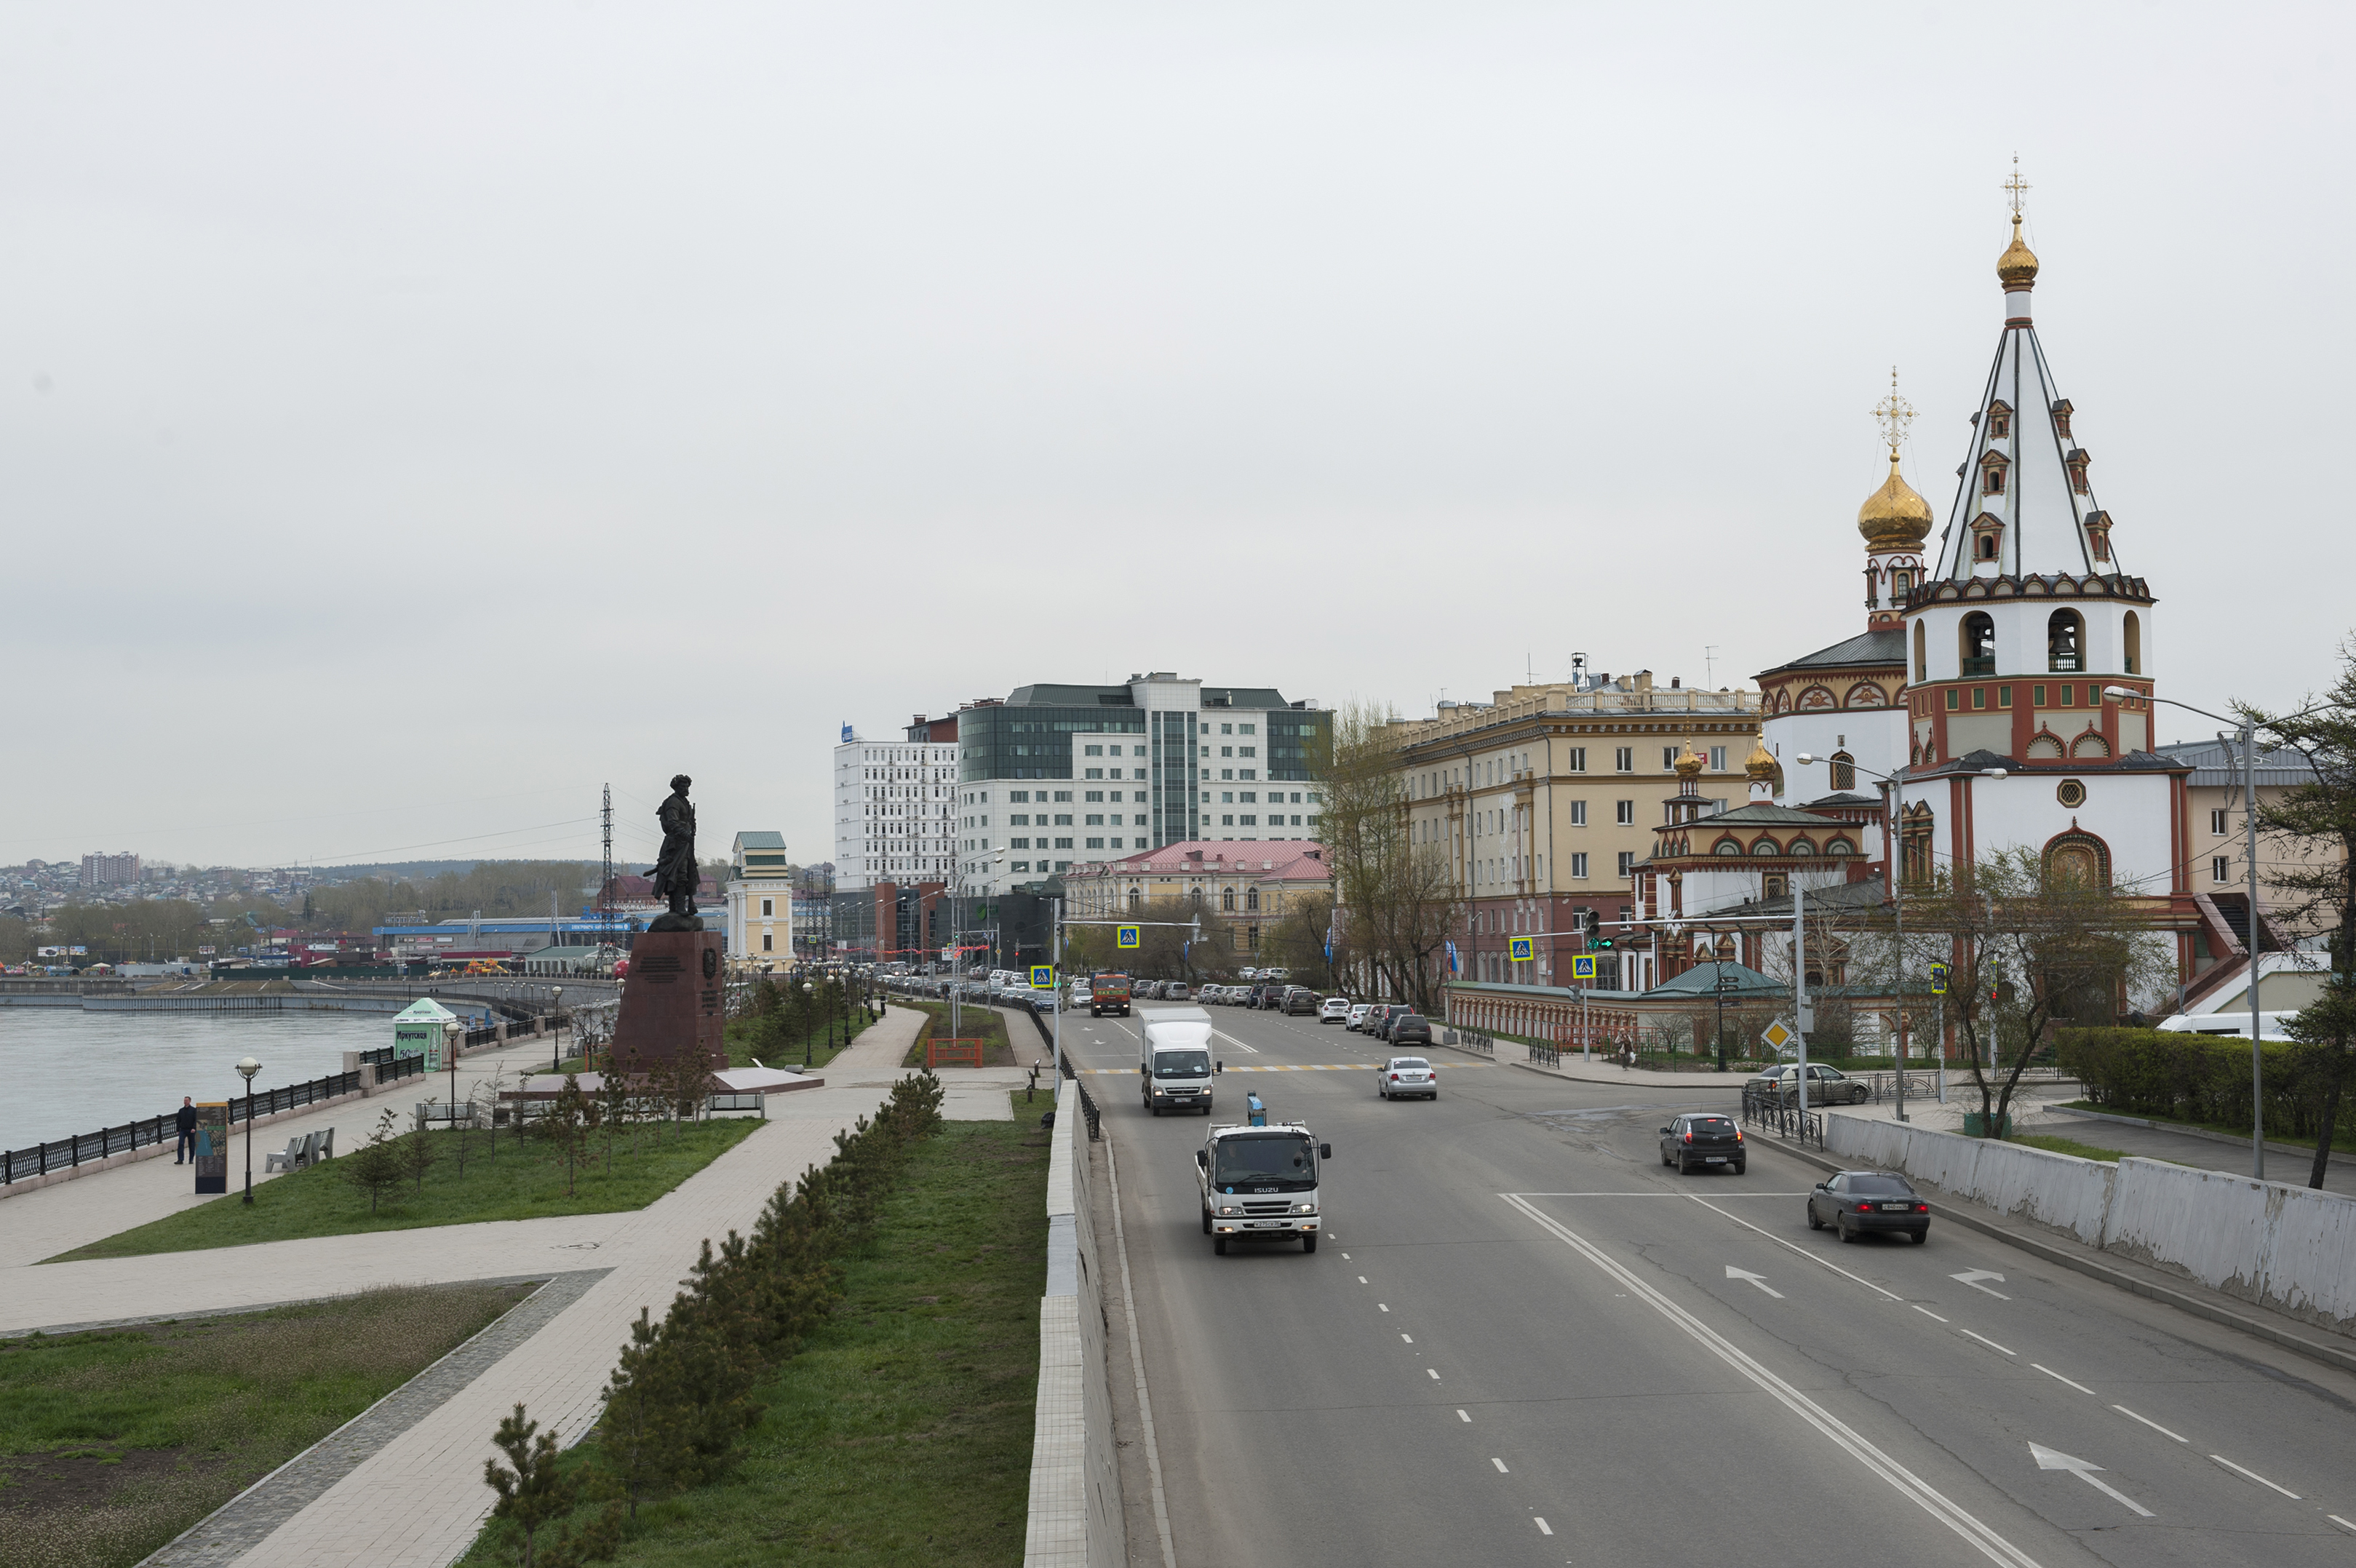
[
  {"x": 1408, "y": 1075},
  {"x": 1335, "y": 1011},
  {"x": 1357, "y": 1018}
]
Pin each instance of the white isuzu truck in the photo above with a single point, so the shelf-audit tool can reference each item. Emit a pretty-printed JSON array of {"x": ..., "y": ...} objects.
[
  {"x": 1173, "y": 1059},
  {"x": 1259, "y": 1184}
]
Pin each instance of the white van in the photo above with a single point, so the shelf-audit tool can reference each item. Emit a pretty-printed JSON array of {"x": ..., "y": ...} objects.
[{"x": 1173, "y": 1060}]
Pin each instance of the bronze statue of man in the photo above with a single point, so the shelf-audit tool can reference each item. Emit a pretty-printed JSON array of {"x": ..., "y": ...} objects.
[{"x": 676, "y": 874}]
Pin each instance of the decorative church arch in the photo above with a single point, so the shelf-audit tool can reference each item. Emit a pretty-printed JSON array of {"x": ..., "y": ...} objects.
[
  {"x": 2078, "y": 857},
  {"x": 2090, "y": 743},
  {"x": 1867, "y": 695},
  {"x": 1816, "y": 698},
  {"x": 2046, "y": 746}
]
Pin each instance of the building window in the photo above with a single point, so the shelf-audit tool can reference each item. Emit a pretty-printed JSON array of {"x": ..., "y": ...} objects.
[
  {"x": 1579, "y": 813},
  {"x": 1624, "y": 759},
  {"x": 1092, "y": 773},
  {"x": 1018, "y": 797},
  {"x": 1022, "y": 866},
  {"x": 1577, "y": 760},
  {"x": 1249, "y": 820},
  {"x": 1063, "y": 795},
  {"x": 1921, "y": 653},
  {"x": 1246, "y": 751},
  {"x": 1092, "y": 751},
  {"x": 1227, "y": 899},
  {"x": 1669, "y": 758},
  {"x": 2069, "y": 696},
  {"x": 1018, "y": 843},
  {"x": 1999, "y": 421},
  {"x": 1976, "y": 645},
  {"x": 1227, "y": 751},
  {"x": 768, "y": 908},
  {"x": 2037, "y": 696},
  {"x": 1095, "y": 844},
  {"x": 2217, "y": 823},
  {"x": 1247, "y": 772},
  {"x": 2133, "y": 640},
  {"x": 1062, "y": 843},
  {"x": 2065, "y": 641},
  {"x": 1249, "y": 798},
  {"x": 1095, "y": 820},
  {"x": 1844, "y": 772},
  {"x": 1579, "y": 867},
  {"x": 1717, "y": 759},
  {"x": 1228, "y": 820},
  {"x": 1627, "y": 862},
  {"x": 1063, "y": 820},
  {"x": 2220, "y": 868},
  {"x": 1246, "y": 729},
  {"x": 1979, "y": 696},
  {"x": 1251, "y": 900},
  {"x": 1624, "y": 812}
]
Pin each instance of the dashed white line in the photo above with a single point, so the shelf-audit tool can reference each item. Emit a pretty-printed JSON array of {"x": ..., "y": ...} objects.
[
  {"x": 1985, "y": 1340},
  {"x": 2146, "y": 1420},
  {"x": 1435, "y": 1376},
  {"x": 1464, "y": 1418},
  {"x": 1500, "y": 1464},
  {"x": 2341, "y": 1522},
  {"x": 1384, "y": 1308},
  {"x": 1362, "y": 1279},
  {"x": 2060, "y": 1379},
  {"x": 2254, "y": 1475},
  {"x": 1929, "y": 1314},
  {"x": 1544, "y": 1528},
  {"x": 1408, "y": 1337}
]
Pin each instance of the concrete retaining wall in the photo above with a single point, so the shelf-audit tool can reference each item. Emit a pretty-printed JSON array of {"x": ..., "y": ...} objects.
[
  {"x": 2288, "y": 1248},
  {"x": 1075, "y": 1514}
]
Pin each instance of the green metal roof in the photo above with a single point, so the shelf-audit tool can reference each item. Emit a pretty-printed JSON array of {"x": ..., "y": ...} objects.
[{"x": 1701, "y": 981}]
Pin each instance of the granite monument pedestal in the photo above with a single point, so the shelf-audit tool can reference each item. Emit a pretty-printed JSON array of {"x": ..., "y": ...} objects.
[{"x": 673, "y": 1003}]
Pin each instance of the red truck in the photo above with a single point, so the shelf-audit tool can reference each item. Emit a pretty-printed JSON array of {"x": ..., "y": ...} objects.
[{"x": 1108, "y": 993}]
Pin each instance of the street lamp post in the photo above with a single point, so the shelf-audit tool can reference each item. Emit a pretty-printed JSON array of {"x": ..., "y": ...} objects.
[
  {"x": 555, "y": 1027},
  {"x": 451, "y": 1033},
  {"x": 1895, "y": 813},
  {"x": 248, "y": 1066},
  {"x": 2246, "y": 731},
  {"x": 810, "y": 991}
]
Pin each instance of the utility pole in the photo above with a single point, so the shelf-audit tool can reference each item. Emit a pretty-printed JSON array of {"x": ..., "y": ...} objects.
[{"x": 606, "y": 878}]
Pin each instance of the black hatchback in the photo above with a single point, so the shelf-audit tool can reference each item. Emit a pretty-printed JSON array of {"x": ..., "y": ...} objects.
[
  {"x": 1855, "y": 1203},
  {"x": 1703, "y": 1142}
]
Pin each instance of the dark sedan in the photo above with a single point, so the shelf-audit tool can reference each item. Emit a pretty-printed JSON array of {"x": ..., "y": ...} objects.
[
  {"x": 1858, "y": 1203},
  {"x": 1700, "y": 1141},
  {"x": 1411, "y": 1029}
]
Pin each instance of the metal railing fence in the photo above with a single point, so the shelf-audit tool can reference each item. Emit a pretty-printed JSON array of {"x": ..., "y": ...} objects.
[{"x": 63, "y": 1153}]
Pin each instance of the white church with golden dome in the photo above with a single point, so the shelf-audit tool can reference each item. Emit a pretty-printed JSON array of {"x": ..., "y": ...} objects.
[{"x": 1976, "y": 700}]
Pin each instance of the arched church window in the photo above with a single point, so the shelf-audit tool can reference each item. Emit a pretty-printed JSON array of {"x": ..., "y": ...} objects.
[
  {"x": 1804, "y": 847},
  {"x": 1839, "y": 847},
  {"x": 1999, "y": 420},
  {"x": 1922, "y": 653},
  {"x": 1765, "y": 846},
  {"x": 2133, "y": 639},
  {"x": 1251, "y": 900},
  {"x": 2066, "y": 641},
  {"x": 1727, "y": 846},
  {"x": 1978, "y": 644},
  {"x": 2078, "y": 859},
  {"x": 1844, "y": 772},
  {"x": 1227, "y": 899}
]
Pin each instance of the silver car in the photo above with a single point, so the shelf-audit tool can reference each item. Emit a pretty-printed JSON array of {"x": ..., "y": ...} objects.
[
  {"x": 1408, "y": 1075},
  {"x": 1826, "y": 1085}
]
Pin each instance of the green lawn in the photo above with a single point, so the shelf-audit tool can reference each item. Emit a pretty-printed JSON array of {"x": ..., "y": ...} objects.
[
  {"x": 2339, "y": 1141},
  {"x": 902, "y": 1432},
  {"x": 524, "y": 1179},
  {"x": 111, "y": 1443},
  {"x": 974, "y": 1023}
]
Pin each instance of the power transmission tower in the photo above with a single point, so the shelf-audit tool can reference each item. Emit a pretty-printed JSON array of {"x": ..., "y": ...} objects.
[{"x": 605, "y": 880}]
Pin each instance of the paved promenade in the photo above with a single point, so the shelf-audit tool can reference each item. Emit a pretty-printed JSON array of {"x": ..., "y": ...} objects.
[{"x": 416, "y": 1497}]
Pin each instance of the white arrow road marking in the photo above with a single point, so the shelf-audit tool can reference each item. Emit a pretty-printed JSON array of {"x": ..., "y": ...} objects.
[
  {"x": 1760, "y": 1280},
  {"x": 1912, "y": 1488},
  {"x": 2053, "y": 1459},
  {"x": 1973, "y": 1277}
]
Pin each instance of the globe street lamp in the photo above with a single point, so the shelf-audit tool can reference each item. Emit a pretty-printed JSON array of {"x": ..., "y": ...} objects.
[{"x": 249, "y": 1066}]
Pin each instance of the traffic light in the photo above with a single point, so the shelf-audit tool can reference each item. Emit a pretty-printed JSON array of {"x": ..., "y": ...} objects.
[{"x": 1591, "y": 923}]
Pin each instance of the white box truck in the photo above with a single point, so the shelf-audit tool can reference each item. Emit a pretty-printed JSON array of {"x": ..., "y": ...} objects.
[
  {"x": 1173, "y": 1059},
  {"x": 1259, "y": 1184}
]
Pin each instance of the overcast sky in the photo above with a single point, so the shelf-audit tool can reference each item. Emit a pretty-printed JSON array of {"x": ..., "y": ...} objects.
[{"x": 412, "y": 417}]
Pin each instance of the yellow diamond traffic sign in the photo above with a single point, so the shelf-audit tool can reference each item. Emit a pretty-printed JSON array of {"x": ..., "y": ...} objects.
[{"x": 1777, "y": 1036}]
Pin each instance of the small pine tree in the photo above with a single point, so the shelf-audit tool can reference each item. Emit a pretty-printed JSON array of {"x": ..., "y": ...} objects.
[
  {"x": 533, "y": 1495},
  {"x": 612, "y": 1110},
  {"x": 567, "y": 1125},
  {"x": 418, "y": 1156},
  {"x": 374, "y": 1167}
]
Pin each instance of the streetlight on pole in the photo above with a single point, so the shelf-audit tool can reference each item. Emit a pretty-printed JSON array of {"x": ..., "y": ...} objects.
[
  {"x": 556, "y": 1026},
  {"x": 451, "y": 1033},
  {"x": 2246, "y": 731},
  {"x": 1896, "y": 814},
  {"x": 249, "y": 1066}
]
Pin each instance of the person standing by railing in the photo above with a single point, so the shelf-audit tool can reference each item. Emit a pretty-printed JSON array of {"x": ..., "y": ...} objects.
[{"x": 185, "y": 1118}]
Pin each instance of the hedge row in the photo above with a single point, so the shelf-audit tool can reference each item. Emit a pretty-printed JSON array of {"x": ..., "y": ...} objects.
[
  {"x": 681, "y": 1400},
  {"x": 2184, "y": 1076}
]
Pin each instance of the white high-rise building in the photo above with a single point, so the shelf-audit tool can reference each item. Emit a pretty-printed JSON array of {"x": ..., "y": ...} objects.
[{"x": 894, "y": 807}]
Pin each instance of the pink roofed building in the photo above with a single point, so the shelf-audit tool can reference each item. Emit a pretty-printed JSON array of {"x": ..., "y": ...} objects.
[{"x": 1246, "y": 882}]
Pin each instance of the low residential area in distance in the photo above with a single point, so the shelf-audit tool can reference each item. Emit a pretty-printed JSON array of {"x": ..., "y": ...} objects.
[{"x": 946, "y": 787}]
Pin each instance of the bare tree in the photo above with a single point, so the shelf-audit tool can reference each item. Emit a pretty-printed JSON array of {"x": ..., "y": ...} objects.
[{"x": 1399, "y": 898}]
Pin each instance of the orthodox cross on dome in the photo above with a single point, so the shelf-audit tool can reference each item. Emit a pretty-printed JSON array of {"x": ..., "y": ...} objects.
[
  {"x": 2016, "y": 188},
  {"x": 1894, "y": 414}
]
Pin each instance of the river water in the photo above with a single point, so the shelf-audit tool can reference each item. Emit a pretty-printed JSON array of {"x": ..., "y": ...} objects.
[{"x": 64, "y": 1071}]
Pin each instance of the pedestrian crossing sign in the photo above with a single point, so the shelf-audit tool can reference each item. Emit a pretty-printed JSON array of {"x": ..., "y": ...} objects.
[
  {"x": 1042, "y": 976},
  {"x": 1582, "y": 966},
  {"x": 1939, "y": 973},
  {"x": 1124, "y": 937},
  {"x": 1524, "y": 949}
]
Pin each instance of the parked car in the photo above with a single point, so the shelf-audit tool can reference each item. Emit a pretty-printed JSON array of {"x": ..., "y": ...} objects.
[
  {"x": 1856, "y": 1202},
  {"x": 1408, "y": 1075},
  {"x": 1357, "y": 1018},
  {"x": 1176, "y": 990},
  {"x": 1701, "y": 1139},
  {"x": 1389, "y": 1014},
  {"x": 1335, "y": 1011},
  {"x": 1826, "y": 1085},
  {"x": 1411, "y": 1029},
  {"x": 1300, "y": 1000},
  {"x": 1261, "y": 997}
]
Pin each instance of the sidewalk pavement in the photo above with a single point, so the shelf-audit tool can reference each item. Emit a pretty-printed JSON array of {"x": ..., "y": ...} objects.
[{"x": 416, "y": 1500}]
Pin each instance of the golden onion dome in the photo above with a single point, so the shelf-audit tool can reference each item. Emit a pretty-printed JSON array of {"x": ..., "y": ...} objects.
[
  {"x": 1759, "y": 764},
  {"x": 1894, "y": 517},
  {"x": 1688, "y": 766},
  {"x": 2017, "y": 268}
]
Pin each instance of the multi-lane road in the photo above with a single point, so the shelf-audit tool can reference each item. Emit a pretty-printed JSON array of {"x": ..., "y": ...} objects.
[{"x": 1525, "y": 1341}]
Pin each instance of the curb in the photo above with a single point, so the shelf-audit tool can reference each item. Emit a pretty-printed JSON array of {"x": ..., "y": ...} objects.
[{"x": 2330, "y": 1355}]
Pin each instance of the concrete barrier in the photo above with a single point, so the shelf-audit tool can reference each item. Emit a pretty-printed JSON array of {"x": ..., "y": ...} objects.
[
  {"x": 1075, "y": 1512},
  {"x": 2288, "y": 1248}
]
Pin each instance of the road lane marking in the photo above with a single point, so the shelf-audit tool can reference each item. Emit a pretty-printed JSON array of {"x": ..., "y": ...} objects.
[
  {"x": 2053, "y": 1459},
  {"x": 2060, "y": 1379},
  {"x": 1544, "y": 1529},
  {"x": 1464, "y": 1418},
  {"x": 1137, "y": 1361},
  {"x": 1380, "y": 1305},
  {"x": 2254, "y": 1475},
  {"x": 1760, "y": 1280},
  {"x": 1929, "y": 1314},
  {"x": 1990, "y": 1544},
  {"x": 1435, "y": 1376},
  {"x": 2341, "y": 1522},
  {"x": 1362, "y": 1279},
  {"x": 1222, "y": 1035},
  {"x": 1500, "y": 1464},
  {"x": 2147, "y": 1422},
  {"x": 1973, "y": 1277},
  {"x": 1794, "y": 1247},
  {"x": 1408, "y": 1337},
  {"x": 1985, "y": 1340}
]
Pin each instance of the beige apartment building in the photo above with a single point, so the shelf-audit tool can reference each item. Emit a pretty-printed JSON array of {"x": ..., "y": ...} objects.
[{"x": 1545, "y": 798}]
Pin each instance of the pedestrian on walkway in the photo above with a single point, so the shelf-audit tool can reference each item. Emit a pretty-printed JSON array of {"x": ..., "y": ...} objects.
[{"x": 186, "y": 1119}]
